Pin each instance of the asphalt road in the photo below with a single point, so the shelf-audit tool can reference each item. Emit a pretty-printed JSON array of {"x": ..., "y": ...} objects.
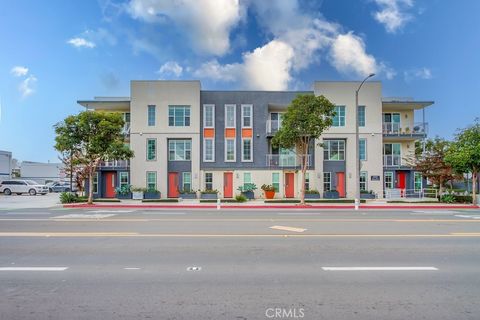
[{"x": 134, "y": 264}]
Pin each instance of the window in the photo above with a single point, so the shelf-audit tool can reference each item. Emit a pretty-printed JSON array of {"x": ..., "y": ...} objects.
[
  {"x": 362, "y": 146},
  {"x": 334, "y": 150},
  {"x": 276, "y": 181},
  {"x": 123, "y": 179},
  {"x": 208, "y": 116},
  {"x": 363, "y": 180},
  {"x": 418, "y": 181},
  {"x": 230, "y": 115},
  {"x": 327, "y": 181},
  {"x": 388, "y": 180},
  {"x": 126, "y": 117},
  {"x": 391, "y": 122},
  {"x": 208, "y": 150},
  {"x": 95, "y": 182},
  {"x": 339, "y": 118},
  {"x": 151, "y": 116},
  {"x": 247, "y": 150},
  {"x": 229, "y": 149},
  {"x": 247, "y": 115},
  {"x": 275, "y": 121},
  {"x": 151, "y": 180},
  {"x": 179, "y": 150},
  {"x": 187, "y": 181},
  {"x": 392, "y": 154},
  {"x": 208, "y": 181},
  {"x": 307, "y": 181},
  {"x": 151, "y": 149},
  {"x": 247, "y": 180},
  {"x": 178, "y": 116},
  {"x": 361, "y": 116}
]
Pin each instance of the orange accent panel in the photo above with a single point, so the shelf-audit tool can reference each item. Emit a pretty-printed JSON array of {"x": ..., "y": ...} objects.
[
  {"x": 230, "y": 133},
  {"x": 247, "y": 133},
  {"x": 341, "y": 184},
  {"x": 208, "y": 133}
]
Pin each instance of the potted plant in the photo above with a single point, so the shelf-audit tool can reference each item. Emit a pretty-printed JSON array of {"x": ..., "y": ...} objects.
[
  {"x": 208, "y": 194},
  {"x": 247, "y": 190},
  {"x": 187, "y": 194},
  {"x": 364, "y": 194},
  {"x": 269, "y": 191},
  {"x": 123, "y": 192},
  {"x": 137, "y": 193},
  {"x": 312, "y": 194},
  {"x": 151, "y": 194},
  {"x": 331, "y": 194}
]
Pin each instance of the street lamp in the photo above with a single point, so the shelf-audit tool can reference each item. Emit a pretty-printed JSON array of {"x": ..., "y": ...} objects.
[{"x": 357, "y": 142}]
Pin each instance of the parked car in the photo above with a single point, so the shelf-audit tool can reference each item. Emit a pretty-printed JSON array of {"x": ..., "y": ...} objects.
[
  {"x": 22, "y": 186},
  {"x": 59, "y": 187}
]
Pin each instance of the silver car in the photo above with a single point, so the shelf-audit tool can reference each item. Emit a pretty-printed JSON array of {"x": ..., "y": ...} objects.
[{"x": 22, "y": 186}]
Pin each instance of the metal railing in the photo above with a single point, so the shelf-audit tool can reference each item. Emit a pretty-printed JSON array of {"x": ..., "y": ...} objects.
[
  {"x": 394, "y": 128},
  {"x": 273, "y": 126},
  {"x": 398, "y": 193},
  {"x": 126, "y": 129},
  {"x": 392, "y": 160},
  {"x": 286, "y": 160},
  {"x": 115, "y": 164}
]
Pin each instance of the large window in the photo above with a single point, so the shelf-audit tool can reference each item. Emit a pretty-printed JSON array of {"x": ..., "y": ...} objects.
[
  {"x": 187, "y": 181},
  {"x": 418, "y": 181},
  {"x": 230, "y": 116},
  {"x": 334, "y": 150},
  {"x": 178, "y": 116},
  {"x": 388, "y": 180},
  {"x": 151, "y": 149},
  {"x": 229, "y": 149},
  {"x": 151, "y": 115},
  {"x": 276, "y": 181},
  {"x": 362, "y": 145},
  {"x": 247, "y": 150},
  {"x": 392, "y": 154},
  {"x": 151, "y": 180},
  {"x": 391, "y": 122},
  {"x": 327, "y": 181},
  {"x": 208, "y": 116},
  {"x": 247, "y": 180},
  {"x": 208, "y": 150},
  {"x": 208, "y": 181},
  {"x": 339, "y": 118},
  {"x": 247, "y": 115},
  {"x": 179, "y": 150},
  {"x": 363, "y": 181},
  {"x": 275, "y": 121},
  {"x": 361, "y": 116},
  {"x": 307, "y": 181},
  {"x": 123, "y": 179},
  {"x": 95, "y": 182}
]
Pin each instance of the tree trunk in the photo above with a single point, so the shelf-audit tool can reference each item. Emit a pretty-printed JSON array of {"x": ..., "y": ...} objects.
[
  {"x": 90, "y": 186},
  {"x": 440, "y": 187},
  {"x": 304, "y": 170},
  {"x": 474, "y": 187}
]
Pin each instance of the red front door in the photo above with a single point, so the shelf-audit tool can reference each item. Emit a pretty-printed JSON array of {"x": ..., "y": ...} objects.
[
  {"x": 109, "y": 178},
  {"x": 289, "y": 185},
  {"x": 173, "y": 184},
  {"x": 341, "y": 184},
  {"x": 228, "y": 184},
  {"x": 401, "y": 181}
]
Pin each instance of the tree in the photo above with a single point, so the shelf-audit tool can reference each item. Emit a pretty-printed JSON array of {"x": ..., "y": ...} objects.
[
  {"x": 307, "y": 117},
  {"x": 92, "y": 137},
  {"x": 464, "y": 154},
  {"x": 432, "y": 164},
  {"x": 74, "y": 168}
]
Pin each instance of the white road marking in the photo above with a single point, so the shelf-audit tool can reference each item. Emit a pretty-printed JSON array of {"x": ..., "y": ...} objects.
[
  {"x": 379, "y": 268},
  {"x": 114, "y": 211},
  {"x": 160, "y": 213},
  {"x": 28, "y": 213},
  {"x": 434, "y": 212},
  {"x": 33, "y": 268},
  {"x": 467, "y": 217},
  {"x": 284, "y": 228},
  {"x": 131, "y": 268},
  {"x": 84, "y": 216}
]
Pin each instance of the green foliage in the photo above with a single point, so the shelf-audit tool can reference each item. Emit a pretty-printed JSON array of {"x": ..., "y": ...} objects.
[
  {"x": 123, "y": 190},
  {"x": 68, "y": 197},
  {"x": 209, "y": 191},
  {"x": 186, "y": 191},
  {"x": 267, "y": 187},
  {"x": 240, "y": 198},
  {"x": 447, "y": 198},
  {"x": 152, "y": 190},
  {"x": 247, "y": 187},
  {"x": 312, "y": 191},
  {"x": 138, "y": 189}
]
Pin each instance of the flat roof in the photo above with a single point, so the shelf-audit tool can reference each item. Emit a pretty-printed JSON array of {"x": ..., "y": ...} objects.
[{"x": 407, "y": 104}]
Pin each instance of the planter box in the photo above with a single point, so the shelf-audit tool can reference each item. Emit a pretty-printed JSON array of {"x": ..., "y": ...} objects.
[
  {"x": 331, "y": 195},
  {"x": 269, "y": 194},
  {"x": 208, "y": 196},
  {"x": 312, "y": 195},
  {"x": 188, "y": 195},
  {"x": 367, "y": 196},
  {"x": 151, "y": 195},
  {"x": 124, "y": 195},
  {"x": 137, "y": 195},
  {"x": 249, "y": 195}
]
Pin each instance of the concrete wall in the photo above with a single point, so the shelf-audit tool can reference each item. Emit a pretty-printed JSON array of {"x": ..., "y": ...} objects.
[
  {"x": 5, "y": 165},
  {"x": 41, "y": 172}
]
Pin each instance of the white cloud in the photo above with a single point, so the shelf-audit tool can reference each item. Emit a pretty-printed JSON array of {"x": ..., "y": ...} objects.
[
  {"x": 26, "y": 87},
  {"x": 19, "y": 71},
  {"x": 418, "y": 73},
  {"x": 393, "y": 14},
  {"x": 171, "y": 68},
  {"x": 81, "y": 42},
  {"x": 207, "y": 22}
]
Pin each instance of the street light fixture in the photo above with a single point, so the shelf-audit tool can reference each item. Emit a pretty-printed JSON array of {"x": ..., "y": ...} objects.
[{"x": 357, "y": 142}]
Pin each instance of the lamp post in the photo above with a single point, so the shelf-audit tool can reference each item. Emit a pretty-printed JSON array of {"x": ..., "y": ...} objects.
[{"x": 357, "y": 143}]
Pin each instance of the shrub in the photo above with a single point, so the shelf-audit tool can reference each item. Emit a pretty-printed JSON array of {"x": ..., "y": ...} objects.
[
  {"x": 152, "y": 190},
  {"x": 240, "y": 198},
  {"x": 186, "y": 191},
  {"x": 463, "y": 199},
  {"x": 68, "y": 197},
  {"x": 312, "y": 191},
  {"x": 248, "y": 187},
  {"x": 267, "y": 187},
  {"x": 138, "y": 189},
  {"x": 124, "y": 190},
  {"x": 209, "y": 191},
  {"x": 448, "y": 198}
]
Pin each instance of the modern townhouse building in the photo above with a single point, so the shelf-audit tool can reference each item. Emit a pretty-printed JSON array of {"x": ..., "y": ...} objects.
[{"x": 185, "y": 138}]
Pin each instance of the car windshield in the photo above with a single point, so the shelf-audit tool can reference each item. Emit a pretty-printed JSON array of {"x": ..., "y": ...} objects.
[{"x": 31, "y": 182}]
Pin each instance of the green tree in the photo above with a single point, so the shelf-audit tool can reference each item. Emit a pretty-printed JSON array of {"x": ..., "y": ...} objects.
[
  {"x": 464, "y": 154},
  {"x": 306, "y": 118},
  {"x": 92, "y": 137}
]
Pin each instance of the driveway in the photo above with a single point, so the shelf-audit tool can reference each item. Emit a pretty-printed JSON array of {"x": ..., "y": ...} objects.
[{"x": 27, "y": 201}]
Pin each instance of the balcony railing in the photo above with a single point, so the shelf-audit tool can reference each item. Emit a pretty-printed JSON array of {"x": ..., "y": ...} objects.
[
  {"x": 114, "y": 164},
  {"x": 286, "y": 160},
  {"x": 126, "y": 129},
  {"x": 394, "y": 128},
  {"x": 392, "y": 160},
  {"x": 273, "y": 126}
]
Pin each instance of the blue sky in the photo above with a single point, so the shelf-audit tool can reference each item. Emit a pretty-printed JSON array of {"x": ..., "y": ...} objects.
[{"x": 56, "y": 52}]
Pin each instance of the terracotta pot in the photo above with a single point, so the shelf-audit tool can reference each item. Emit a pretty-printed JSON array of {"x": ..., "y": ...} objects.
[{"x": 269, "y": 194}]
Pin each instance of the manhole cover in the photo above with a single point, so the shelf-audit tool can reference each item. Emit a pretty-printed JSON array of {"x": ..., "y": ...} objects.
[{"x": 194, "y": 268}]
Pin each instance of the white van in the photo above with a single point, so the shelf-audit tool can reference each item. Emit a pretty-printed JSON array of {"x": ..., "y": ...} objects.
[{"x": 22, "y": 186}]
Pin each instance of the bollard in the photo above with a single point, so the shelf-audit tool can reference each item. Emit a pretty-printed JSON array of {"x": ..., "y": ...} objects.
[
  {"x": 357, "y": 204},
  {"x": 218, "y": 204}
]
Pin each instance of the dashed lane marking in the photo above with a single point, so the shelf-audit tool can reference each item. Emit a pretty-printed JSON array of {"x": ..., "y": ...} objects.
[
  {"x": 379, "y": 268},
  {"x": 284, "y": 228},
  {"x": 84, "y": 216},
  {"x": 33, "y": 268}
]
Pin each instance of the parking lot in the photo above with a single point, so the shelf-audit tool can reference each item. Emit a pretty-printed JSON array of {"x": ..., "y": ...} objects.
[{"x": 27, "y": 201}]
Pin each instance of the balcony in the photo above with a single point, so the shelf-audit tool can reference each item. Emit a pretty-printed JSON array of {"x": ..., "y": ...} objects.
[
  {"x": 272, "y": 127},
  {"x": 126, "y": 129},
  {"x": 394, "y": 129},
  {"x": 286, "y": 160},
  {"x": 114, "y": 164},
  {"x": 392, "y": 160}
]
